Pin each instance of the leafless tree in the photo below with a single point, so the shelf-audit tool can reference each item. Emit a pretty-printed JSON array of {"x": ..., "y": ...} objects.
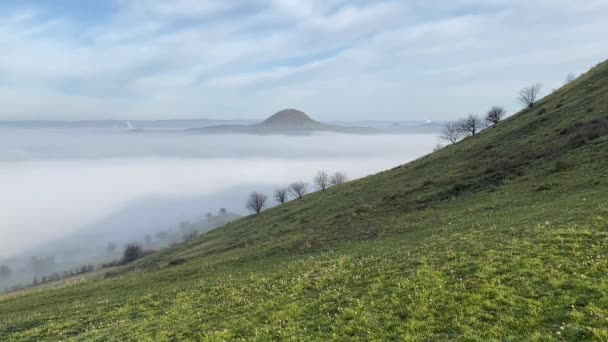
[
  {"x": 495, "y": 114},
  {"x": 5, "y": 272},
  {"x": 281, "y": 195},
  {"x": 321, "y": 180},
  {"x": 528, "y": 96},
  {"x": 298, "y": 189},
  {"x": 222, "y": 212},
  {"x": 450, "y": 132},
  {"x": 339, "y": 177},
  {"x": 570, "y": 78},
  {"x": 132, "y": 252},
  {"x": 437, "y": 147},
  {"x": 256, "y": 202},
  {"x": 471, "y": 125}
]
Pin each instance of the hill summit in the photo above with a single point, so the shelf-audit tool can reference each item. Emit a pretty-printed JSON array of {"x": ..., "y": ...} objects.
[{"x": 291, "y": 119}]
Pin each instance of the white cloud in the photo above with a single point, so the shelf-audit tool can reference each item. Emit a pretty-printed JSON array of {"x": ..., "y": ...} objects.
[{"x": 349, "y": 59}]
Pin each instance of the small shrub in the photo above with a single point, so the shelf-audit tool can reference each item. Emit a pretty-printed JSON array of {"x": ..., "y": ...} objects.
[
  {"x": 500, "y": 166},
  {"x": 132, "y": 252},
  {"x": 544, "y": 187},
  {"x": 584, "y": 133},
  {"x": 366, "y": 208},
  {"x": 176, "y": 262}
]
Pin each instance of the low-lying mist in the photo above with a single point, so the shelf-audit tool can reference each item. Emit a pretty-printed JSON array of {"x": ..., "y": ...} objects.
[{"x": 73, "y": 190}]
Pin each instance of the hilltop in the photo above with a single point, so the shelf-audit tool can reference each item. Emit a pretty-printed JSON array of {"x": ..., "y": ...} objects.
[
  {"x": 287, "y": 121},
  {"x": 502, "y": 236},
  {"x": 292, "y": 119}
]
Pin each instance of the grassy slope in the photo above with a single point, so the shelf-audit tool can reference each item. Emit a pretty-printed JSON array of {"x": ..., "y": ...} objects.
[{"x": 502, "y": 236}]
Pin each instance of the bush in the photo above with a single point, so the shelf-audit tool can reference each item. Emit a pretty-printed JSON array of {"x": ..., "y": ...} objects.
[
  {"x": 132, "y": 252},
  {"x": 584, "y": 133}
]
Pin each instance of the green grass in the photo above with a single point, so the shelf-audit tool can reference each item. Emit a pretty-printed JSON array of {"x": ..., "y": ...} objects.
[{"x": 503, "y": 236}]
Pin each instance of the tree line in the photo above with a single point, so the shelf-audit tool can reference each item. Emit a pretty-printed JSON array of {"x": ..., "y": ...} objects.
[
  {"x": 454, "y": 131},
  {"x": 257, "y": 201}
]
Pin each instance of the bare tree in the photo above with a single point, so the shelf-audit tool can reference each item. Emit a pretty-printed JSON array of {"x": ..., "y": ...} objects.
[
  {"x": 495, "y": 114},
  {"x": 256, "y": 202},
  {"x": 222, "y": 212},
  {"x": 450, "y": 132},
  {"x": 281, "y": 195},
  {"x": 528, "y": 96},
  {"x": 339, "y": 177},
  {"x": 471, "y": 125},
  {"x": 321, "y": 180},
  {"x": 437, "y": 147},
  {"x": 298, "y": 189},
  {"x": 5, "y": 272},
  {"x": 570, "y": 78},
  {"x": 132, "y": 252}
]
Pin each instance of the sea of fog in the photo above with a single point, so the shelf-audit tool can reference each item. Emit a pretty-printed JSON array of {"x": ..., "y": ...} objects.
[{"x": 58, "y": 183}]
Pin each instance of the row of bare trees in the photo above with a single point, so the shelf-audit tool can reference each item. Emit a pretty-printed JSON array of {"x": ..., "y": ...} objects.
[
  {"x": 472, "y": 124},
  {"x": 323, "y": 180}
]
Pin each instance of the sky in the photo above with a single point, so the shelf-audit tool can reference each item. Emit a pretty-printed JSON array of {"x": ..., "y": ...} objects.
[{"x": 334, "y": 59}]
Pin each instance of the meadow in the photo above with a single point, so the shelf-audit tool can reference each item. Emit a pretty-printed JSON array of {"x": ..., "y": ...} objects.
[{"x": 502, "y": 236}]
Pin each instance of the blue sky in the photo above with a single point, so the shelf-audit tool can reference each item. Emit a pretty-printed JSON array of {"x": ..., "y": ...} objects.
[{"x": 335, "y": 59}]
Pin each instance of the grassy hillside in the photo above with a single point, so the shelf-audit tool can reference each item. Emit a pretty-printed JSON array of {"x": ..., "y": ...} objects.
[{"x": 503, "y": 236}]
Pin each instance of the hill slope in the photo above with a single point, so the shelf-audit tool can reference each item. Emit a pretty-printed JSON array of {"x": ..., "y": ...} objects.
[{"x": 502, "y": 236}]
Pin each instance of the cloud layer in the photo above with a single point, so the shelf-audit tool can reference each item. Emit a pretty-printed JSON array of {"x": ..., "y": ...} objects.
[
  {"x": 336, "y": 59},
  {"x": 63, "y": 181}
]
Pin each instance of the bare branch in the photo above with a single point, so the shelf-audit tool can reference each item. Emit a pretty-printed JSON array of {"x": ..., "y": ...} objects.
[
  {"x": 450, "y": 132},
  {"x": 321, "y": 180},
  {"x": 528, "y": 96},
  {"x": 570, "y": 78},
  {"x": 281, "y": 195},
  {"x": 298, "y": 189},
  {"x": 338, "y": 177},
  {"x": 495, "y": 115},
  {"x": 256, "y": 202}
]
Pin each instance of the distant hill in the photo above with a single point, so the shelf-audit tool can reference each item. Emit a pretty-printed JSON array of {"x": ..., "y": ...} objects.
[{"x": 287, "y": 121}]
